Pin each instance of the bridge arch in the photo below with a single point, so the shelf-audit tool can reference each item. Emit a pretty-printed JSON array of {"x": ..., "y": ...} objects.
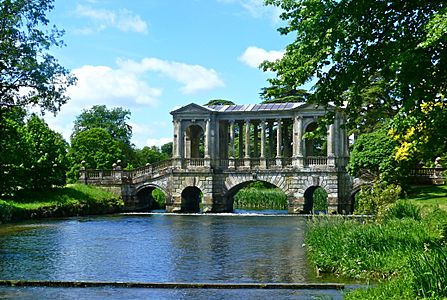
[
  {"x": 240, "y": 184},
  {"x": 310, "y": 199},
  {"x": 145, "y": 198},
  {"x": 191, "y": 197}
]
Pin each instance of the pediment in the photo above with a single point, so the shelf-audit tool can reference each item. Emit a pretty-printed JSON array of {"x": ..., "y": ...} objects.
[{"x": 192, "y": 108}]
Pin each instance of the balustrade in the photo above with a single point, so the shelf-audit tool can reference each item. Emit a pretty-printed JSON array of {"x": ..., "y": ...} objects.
[{"x": 315, "y": 161}]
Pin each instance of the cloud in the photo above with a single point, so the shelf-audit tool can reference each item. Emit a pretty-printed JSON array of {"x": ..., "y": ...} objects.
[
  {"x": 128, "y": 85},
  {"x": 123, "y": 20},
  {"x": 158, "y": 142},
  {"x": 194, "y": 78},
  {"x": 257, "y": 9},
  {"x": 254, "y": 56}
]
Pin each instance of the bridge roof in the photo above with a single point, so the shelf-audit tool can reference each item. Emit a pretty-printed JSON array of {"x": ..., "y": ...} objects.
[{"x": 255, "y": 107}]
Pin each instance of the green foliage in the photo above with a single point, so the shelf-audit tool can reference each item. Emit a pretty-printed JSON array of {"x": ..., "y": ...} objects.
[
  {"x": 219, "y": 102},
  {"x": 348, "y": 46},
  {"x": 284, "y": 95},
  {"x": 71, "y": 200},
  {"x": 159, "y": 198},
  {"x": 373, "y": 250},
  {"x": 46, "y": 155},
  {"x": 167, "y": 149},
  {"x": 114, "y": 121},
  {"x": 32, "y": 155},
  {"x": 149, "y": 155},
  {"x": 430, "y": 272},
  {"x": 96, "y": 147},
  {"x": 402, "y": 209},
  {"x": 29, "y": 74},
  {"x": 375, "y": 199},
  {"x": 372, "y": 157},
  {"x": 320, "y": 199},
  {"x": 257, "y": 196}
]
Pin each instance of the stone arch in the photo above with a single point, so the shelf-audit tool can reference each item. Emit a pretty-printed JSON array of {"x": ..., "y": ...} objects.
[
  {"x": 309, "y": 199},
  {"x": 144, "y": 197},
  {"x": 235, "y": 183},
  {"x": 194, "y": 140},
  {"x": 313, "y": 147},
  {"x": 191, "y": 199}
]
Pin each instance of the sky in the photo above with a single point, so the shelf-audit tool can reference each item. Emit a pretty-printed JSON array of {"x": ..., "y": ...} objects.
[{"x": 151, "y": 56}]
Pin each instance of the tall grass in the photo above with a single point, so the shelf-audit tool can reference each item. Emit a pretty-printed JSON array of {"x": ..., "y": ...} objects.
[{"x": 260, "y": 198}]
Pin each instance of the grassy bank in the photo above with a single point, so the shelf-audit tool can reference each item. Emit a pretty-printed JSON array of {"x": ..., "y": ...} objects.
[
  {"x": 405, "y": 252},
  {"x": 72, "y": 200}
]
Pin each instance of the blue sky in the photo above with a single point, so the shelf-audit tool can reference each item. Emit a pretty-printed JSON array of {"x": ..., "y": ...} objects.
[{"x": 150, "y": 56}]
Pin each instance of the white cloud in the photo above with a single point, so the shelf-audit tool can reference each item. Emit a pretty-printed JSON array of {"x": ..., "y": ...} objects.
[
  {"x": 257, "y": 8},
  {"x": 254, "y": 56},
  {"x": 158, "y": 142},
  {"x": 127, "y": 85},
  {"x": 122, "y": 19},
  {"x": 193, "y": 77}
]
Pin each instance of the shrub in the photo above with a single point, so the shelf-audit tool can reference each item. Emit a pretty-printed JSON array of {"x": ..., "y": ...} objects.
[
  {"x": 375, "y": 199},
  {"x": 159, "y": 199},
  {"x": 256, "y": 198},
  {"x": 402, "y": 209}
]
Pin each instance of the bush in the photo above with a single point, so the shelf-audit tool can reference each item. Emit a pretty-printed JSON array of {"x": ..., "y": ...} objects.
[
  {"x": 159, "y": 199},
  {"x": 257, "y": 198},
  {"x": 402, "y": 209},
  {"x": 375, "y": 199}
]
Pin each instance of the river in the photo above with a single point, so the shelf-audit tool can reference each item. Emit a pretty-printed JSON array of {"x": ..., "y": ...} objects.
[{"x": 232, "y": 248}]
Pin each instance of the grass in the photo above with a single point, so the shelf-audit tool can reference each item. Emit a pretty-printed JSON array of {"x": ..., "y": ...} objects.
[
  {"x": 405, "y": 251},
  {"x": 74, "y": 199},
  {"x": 429, "y": 196}
]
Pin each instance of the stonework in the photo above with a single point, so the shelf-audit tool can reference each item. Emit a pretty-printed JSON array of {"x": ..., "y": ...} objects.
[{"x": 219, "y": 149}]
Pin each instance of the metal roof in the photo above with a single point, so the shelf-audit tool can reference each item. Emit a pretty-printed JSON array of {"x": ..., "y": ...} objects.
[{"x": 255, "y": 107}]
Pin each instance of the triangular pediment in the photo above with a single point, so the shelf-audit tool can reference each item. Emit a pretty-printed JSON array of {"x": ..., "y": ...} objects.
[
  {"x": 192, "y": 108},
  {"x": 314, "y": 107}
]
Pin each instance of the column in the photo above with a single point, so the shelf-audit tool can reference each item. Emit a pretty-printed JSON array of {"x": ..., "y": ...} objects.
[
  {"x": 241, "y": 140},
  {"x": 330, "y": 146},
  {"x": 232, "y": 139},
  {"x": 175, "y": 142},
  {"x": 255, "y": 139},
  {"x": 263, "y": 163},
  {"x": 278, "y": 139},
  {"x": 270, "y": 127},
  {"x": 298, "y": 160},
  {"x": 262, "y": 139},
  {"x": 207, "y": 138},
  {"x": 247, "y": 138}
]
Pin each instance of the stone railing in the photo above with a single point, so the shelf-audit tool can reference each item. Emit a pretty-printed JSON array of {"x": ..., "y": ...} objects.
[
  {"x": 315, "y": 160},
  {"x": 427, "y": 176}
]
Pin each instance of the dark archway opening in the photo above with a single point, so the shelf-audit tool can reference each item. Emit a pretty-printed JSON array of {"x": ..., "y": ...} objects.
[
  {"x": 151, "y": 198},
  {"x": 315, "y": 200},
  {"x": 191, "y": 199},
  {"x": 195, "y": 145}
]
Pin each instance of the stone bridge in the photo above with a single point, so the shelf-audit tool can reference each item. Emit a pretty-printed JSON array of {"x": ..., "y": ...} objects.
[{"x": 217, "y": 150}]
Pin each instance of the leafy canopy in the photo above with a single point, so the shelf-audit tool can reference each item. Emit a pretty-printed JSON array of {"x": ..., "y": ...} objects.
[
  {"x": 29, "y": 74},
  {"x": 114, "y": 121},
  {"x": 348, "y": 46}
]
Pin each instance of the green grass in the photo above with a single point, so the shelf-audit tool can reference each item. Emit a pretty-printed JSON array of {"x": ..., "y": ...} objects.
[
  {"x": 74, "y": 199},
  {"x": 429, "y": 196},
  {"x": 405, "y": 252}
]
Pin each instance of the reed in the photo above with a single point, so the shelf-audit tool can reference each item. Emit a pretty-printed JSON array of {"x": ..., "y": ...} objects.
[{"x": 260, "y": 198}]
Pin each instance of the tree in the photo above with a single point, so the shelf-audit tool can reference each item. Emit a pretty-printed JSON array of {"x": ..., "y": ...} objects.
[
  {"x": 167, "y": 149},
  {"x": 219, "y": 102},
  {"x": 284, "y": 95},
  {"x": 96, "y": 147},
  {"x": 46, "y": 161},
  {"x": 13, "y": 150},
  {"x": 150, "y": 155},
  {"x": 346, "y": 45},
  {"x": 114, "y": 121},
  {"x": 372, "y": 157},
  {"x": 29, "y": 74}
]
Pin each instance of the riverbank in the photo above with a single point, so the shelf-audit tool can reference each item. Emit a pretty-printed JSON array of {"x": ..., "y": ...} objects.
[
  {"x": 405, "y": 252},
  {"x": 71, "y": 200}
]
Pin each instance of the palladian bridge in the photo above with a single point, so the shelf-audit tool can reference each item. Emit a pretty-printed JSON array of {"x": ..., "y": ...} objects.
[{"x": 217, "y": 150}]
